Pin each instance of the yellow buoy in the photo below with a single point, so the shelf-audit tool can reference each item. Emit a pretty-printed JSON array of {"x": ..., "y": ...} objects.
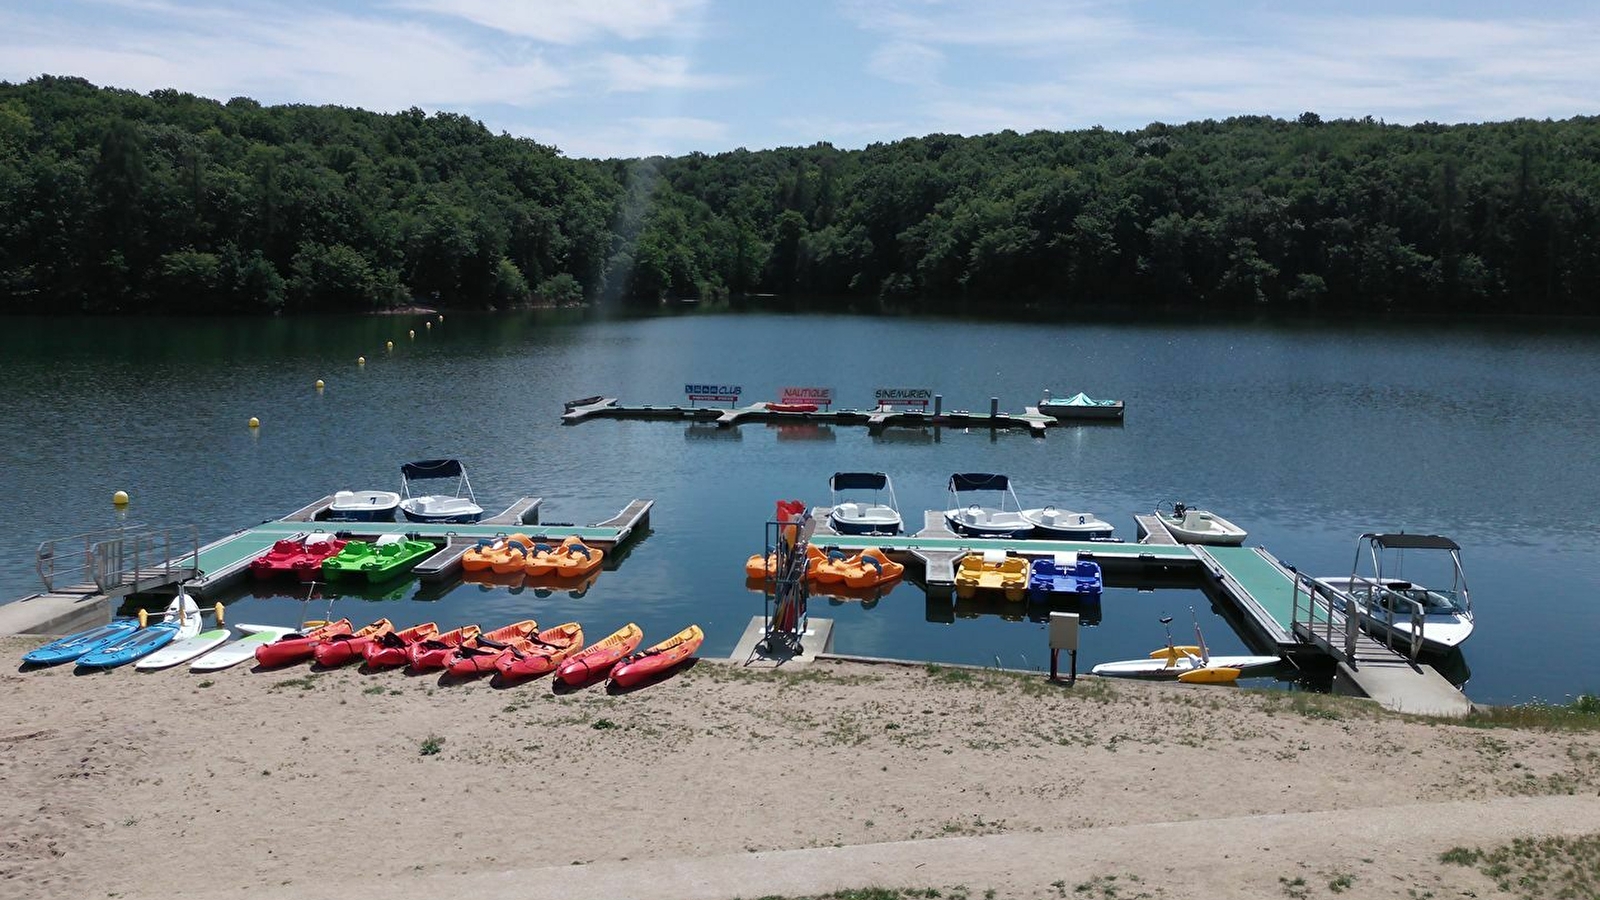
[
  {"x": 413, "y": 334},
  {"x": 361, "y": 360},
  {"x": 319, "y": 384},
  {"x": 144, "y": 618},
  {"x": 255, "y": 422},
  {"x": 219, "y": 614},
  {"x": 389, "y": 345},
  {"x": 120, "y": 498}
]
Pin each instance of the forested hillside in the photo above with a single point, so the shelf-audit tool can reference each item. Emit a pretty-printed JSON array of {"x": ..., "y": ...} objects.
[{"x": 113, "y": 201}]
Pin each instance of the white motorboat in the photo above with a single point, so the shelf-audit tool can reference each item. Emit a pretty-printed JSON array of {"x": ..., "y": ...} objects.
[
  {"x": 438, "y": 507},
  {"x": 1003, "y": 520},
  {"x": 1400, "y": 611},
  {"x": 1080, "y": 406},
  {"x": 363, "y": 506},
  {"x": 1201, "y": 526},
  {"x": 1049, "y": 522},
  {"x": 860, "y": 516},
  {"x": 1193, "y": 664}
]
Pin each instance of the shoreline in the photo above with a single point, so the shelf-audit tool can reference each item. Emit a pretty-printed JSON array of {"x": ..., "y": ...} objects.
[{"x": 842, "y": 763}]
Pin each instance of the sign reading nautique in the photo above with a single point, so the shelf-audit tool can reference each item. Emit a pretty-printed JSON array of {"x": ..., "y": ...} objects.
[
  {"x": 728, "y": 393},
  {"x": 903, "y": 396},
  {"x": 819, "y": 395}
]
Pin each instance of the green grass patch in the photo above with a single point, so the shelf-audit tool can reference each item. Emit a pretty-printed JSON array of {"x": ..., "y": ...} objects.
[
  {"x": 1537, "y": 868},
  {"x": 431, "y": 745},
  {"x": 1582, "y": 714},
  {"x": 304, "y": 683}
]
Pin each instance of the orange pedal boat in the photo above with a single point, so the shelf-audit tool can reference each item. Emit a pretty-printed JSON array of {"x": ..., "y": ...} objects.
[
  {"x": 538, "y": 655},
  {"x": 597, "y": 659}
]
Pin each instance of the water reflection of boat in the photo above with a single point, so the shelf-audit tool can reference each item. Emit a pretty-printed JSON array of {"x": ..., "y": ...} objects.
[
  {"x": 548, "y": 585},
  {"x": 710, "y": 431},
  {"x": 803, "y": 431}
]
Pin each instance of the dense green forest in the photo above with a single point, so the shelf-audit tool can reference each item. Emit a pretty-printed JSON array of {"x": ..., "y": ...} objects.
[{"x": 114, "y": 201}]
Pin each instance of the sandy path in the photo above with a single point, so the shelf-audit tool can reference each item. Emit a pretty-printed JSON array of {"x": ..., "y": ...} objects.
[{"x": 145, "y": 785}]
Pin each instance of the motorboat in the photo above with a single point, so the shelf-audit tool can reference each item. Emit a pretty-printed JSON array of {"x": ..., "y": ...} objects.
[
  {"x": 1080, "y": 406},
  {"x": 455, "y": 507},
  {"x": 1398, "y": 610},
  {"x": 1200, "y": 526},
  {"x": 363, "y": 506},
  {"x": 1050, "y": 522},
  {"x": 859, "y": 516},
  {"x": 992, "y": 571},
  {"x": 1191, "y": 664},
  {"x": 1003, "y": 520},
  {"x": 1064, "y": 575}
]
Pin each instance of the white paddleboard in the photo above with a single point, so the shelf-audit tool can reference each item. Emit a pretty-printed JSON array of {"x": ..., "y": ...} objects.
[
  {"x": 183, "y": 650},
  {"x": 240, "y": 650}
]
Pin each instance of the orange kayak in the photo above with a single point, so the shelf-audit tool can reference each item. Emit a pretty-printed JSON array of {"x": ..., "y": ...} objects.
[
  {"x": 435, "y": 652},
  {"x": 299, "y": 645},
  {"x": 476, "y": 655},
  {"x": 338, "y": 649},
  {"x": 538, "y": 655},
  {"x": 659, "y": 658},
  {"x": 597, "y": 659},
  {"x": 390, "y": 649}
]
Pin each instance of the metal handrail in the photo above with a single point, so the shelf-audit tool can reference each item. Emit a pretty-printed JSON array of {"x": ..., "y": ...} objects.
[
  {"x": 49, "y": 556},
  {"x": 172, "y": 552},
  {"x": 1418, "y": 618}
]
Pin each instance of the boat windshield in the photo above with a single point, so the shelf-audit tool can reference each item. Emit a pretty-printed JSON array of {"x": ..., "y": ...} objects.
[{"x": 1433, "y": 602}]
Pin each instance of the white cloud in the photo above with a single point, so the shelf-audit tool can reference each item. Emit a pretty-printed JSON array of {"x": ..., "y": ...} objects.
[
  {"x": 647, "y": 73},
  {"x": 570, "y": 21},
  {"x": 1038, "y": 26},
  {"x": 906, "y": 63}
]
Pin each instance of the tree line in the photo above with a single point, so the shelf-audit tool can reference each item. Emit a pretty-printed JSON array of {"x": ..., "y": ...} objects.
[{"x": 115, "y": 201}]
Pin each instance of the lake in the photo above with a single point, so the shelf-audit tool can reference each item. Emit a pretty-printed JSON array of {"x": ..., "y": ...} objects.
[{"x": 1306, "y": 434}]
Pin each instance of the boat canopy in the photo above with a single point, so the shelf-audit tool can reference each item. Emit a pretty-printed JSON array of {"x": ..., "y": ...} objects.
[
  {"x": 858, "y": 481},
  {"x": 1404, "y": 541},
  {"x": 979, "y": 481},
  {"x": 432, "y": 468}
]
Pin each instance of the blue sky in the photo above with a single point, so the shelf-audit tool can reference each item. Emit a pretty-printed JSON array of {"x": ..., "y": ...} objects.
[{"x": 632, "y": 77}]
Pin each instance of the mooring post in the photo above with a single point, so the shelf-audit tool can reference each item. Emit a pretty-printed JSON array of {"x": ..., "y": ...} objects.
[
  {"x": 938, "y": 405},
  {"x": 994, "y": 407}
]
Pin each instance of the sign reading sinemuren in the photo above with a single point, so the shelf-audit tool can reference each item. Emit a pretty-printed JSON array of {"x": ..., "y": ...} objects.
[
  {"x": 819, "y": 395},
  {"x": 903, "y": 396},
  {"x": 719, "y": 392}
]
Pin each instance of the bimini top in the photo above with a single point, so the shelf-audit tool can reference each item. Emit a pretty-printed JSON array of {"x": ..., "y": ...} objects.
[
  {"x": 858, "y": 481},
  {"x": 978, "y": 481},
  {"x": 432, "y": 468},
  {"x": 1403, "y": 541}
]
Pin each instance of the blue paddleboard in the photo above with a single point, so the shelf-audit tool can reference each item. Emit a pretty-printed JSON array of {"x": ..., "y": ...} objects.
[
  {"x": 131, "y": 647},
  {"x": 75, "y": 645}
]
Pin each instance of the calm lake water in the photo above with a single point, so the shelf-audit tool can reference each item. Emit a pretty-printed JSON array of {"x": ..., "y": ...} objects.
[{"x": 1305, "y": 434}]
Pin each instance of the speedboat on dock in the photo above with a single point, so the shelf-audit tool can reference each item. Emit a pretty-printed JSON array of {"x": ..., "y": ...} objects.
[
  {"x": 861, "y": 516},
  {"x": 1200, "y": 526},
  {"x": 1049, "y": 522},
  {"x": 363, "y": 506},
  {"x": 1407, "y": 615},
  {"x": 1003, "y": 520},
  {"x": 438, "y": 507},
  {"x": 1080, "y": 406}
]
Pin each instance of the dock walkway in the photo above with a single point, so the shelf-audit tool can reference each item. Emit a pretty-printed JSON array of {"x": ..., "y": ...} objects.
[{"x": 876, "y": 419}]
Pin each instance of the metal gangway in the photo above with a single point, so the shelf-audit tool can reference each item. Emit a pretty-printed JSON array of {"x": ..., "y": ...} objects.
[
  {"x": 1330, "y": 620},
  {"x": 126, "y": 559}
]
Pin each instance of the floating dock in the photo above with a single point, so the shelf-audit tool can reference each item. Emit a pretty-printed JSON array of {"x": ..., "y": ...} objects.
[{"x": 875, "y": 419}]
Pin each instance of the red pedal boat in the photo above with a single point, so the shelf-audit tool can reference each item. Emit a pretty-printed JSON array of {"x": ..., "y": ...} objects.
[
  {"x": 298, "y": 645},
  {"x": 476, "y": 656},
  {"x": 538, "y": 655},
  {"x": 338, "y": 649},
  {"x": 388, "y": 650},
  {"x": 298, "y": 557},
  {"x": 435, "y": 652},
  {"x": 596, "y": 660},
  {"x": 659, "y": 658}
]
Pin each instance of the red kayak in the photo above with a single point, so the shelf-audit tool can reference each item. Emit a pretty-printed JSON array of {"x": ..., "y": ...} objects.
[
  {"x": 298, "y": 645},
  {"x": 538, "y": 655},
  {"x": 597, "y": 659},
  {"x": 388, "y": 650},
  {"x": 476, "y": 656},
  {"x": 339, "y": 649},
  {"x": 642, "y": 666},
  {"x": 435, "y": 652}
]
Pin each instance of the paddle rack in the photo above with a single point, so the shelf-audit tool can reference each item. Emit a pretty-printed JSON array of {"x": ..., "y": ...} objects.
[{"x": 786, "y": 590}]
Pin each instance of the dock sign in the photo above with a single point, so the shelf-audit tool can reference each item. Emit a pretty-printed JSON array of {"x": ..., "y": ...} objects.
[
  {"x": 903, "y": 396},
  {"x": 821, "y": 396},
  {"x": 721, "y": 393}
]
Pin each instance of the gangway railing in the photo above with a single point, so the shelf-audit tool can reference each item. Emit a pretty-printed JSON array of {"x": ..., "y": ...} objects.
[
  {"x": 69, "y": 561},
  {"x": 1312, "y": 617}
]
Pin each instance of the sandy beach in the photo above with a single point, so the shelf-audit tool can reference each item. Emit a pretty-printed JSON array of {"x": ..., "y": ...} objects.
[{"x": 727, "y": 782}]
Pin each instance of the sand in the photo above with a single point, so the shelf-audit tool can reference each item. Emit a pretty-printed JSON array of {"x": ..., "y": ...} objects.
[{"x": 724, "y": 782}]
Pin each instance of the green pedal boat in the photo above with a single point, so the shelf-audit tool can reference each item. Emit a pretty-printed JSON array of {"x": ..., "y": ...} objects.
[{"x": 390, "y": 557}]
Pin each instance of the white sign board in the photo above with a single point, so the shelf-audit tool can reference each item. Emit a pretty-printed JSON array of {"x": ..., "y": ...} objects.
[
  {"x": 903, "y": 396},
  {"x": 819, "y": 395}
]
